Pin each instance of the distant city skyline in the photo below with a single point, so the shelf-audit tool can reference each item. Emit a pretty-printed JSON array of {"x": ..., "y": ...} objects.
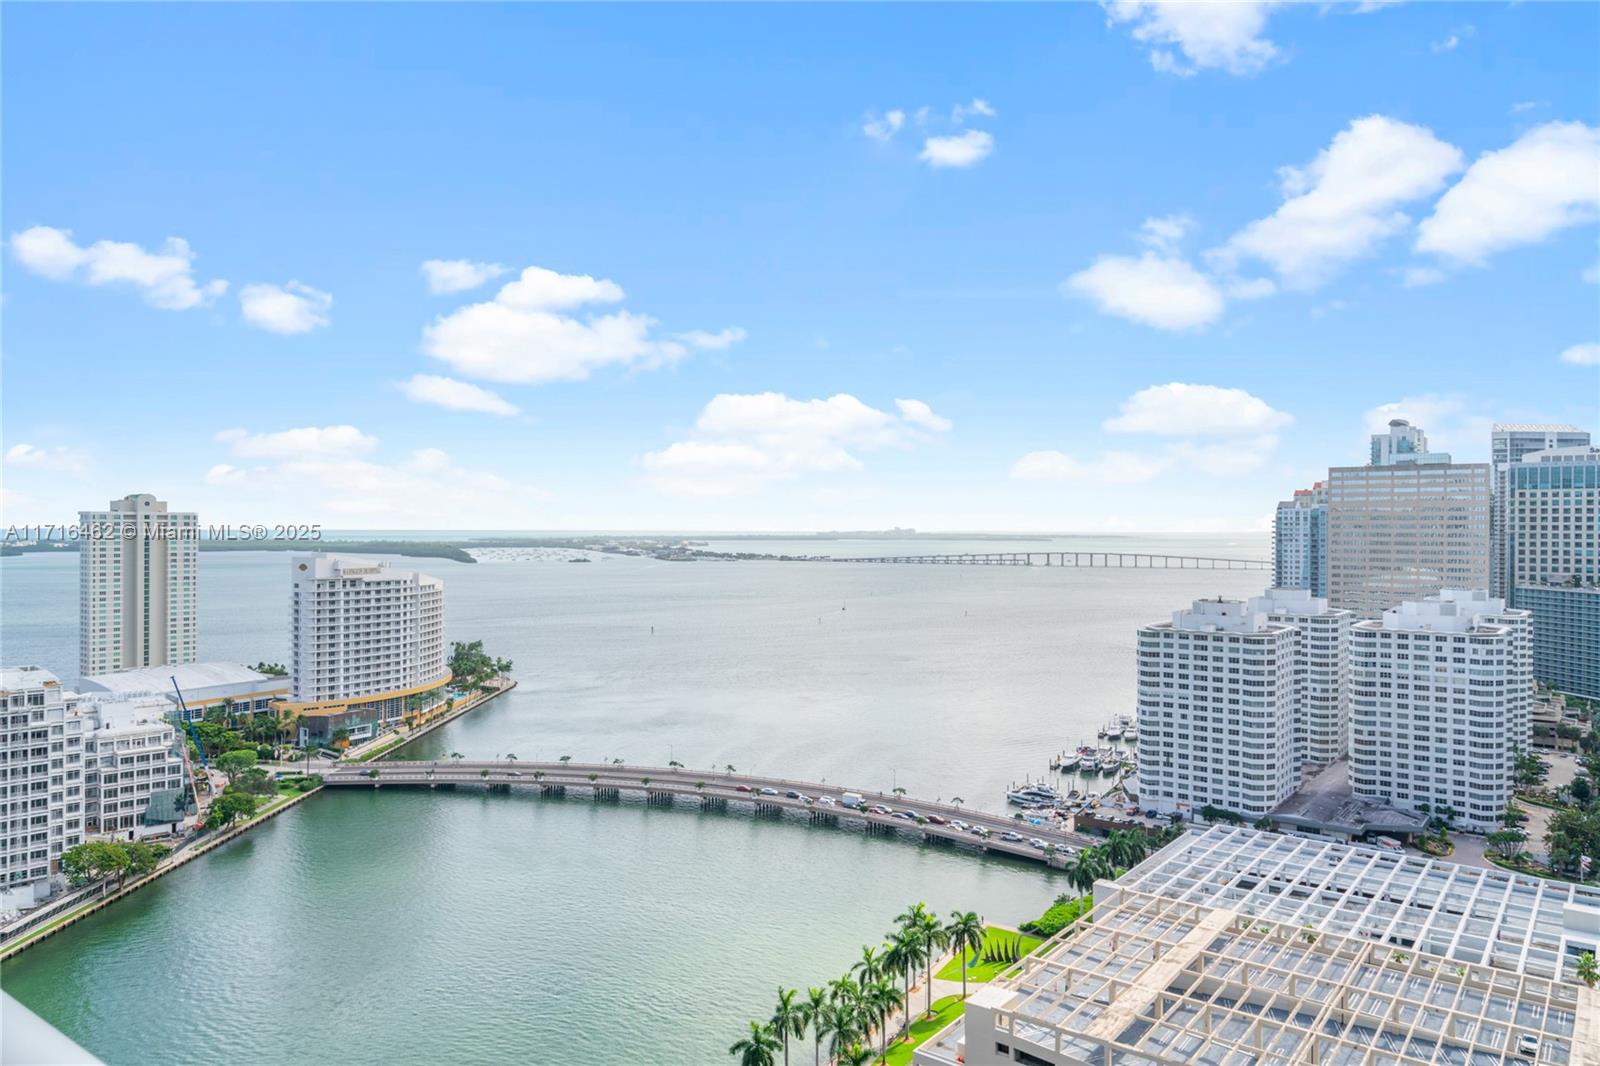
[{"x": 1024, "y": 268}]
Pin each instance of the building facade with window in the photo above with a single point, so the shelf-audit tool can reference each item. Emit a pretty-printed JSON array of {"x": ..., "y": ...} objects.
[
  {"x": 368, "y": 647},
  {"x": 1440, "y": 698},
  {"x": 1508, "y": 444},
  {"x": 138, "y": 586},
  {"x": 132, "y": 757},
  {"x": 1300, "y": 541},
  {"x": 42, "y": 753},
  {"x": 1321, "y": 673}
]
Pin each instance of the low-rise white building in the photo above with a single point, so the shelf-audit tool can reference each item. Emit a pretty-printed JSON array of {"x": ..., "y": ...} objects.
[
  {"x": 1216, "y": 710},
  {"x": 1440, "y": 696},
  {"x": 233, "y": 687},
  {"x": 133, "y": 770},
  {"x": 41, "y": 783}
]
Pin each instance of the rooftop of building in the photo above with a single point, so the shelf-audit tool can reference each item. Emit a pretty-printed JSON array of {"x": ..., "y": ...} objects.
[
  {"x": 1232, "y": 947},
  {"x": 1326, "y": 804},
  {"x": 1220, "y": 615},
  {"x": 1534, "y": 427},
  {"x": 191, "y": 677},
  {"x": 20, "y": 678},
  {"x": 1465, "y": 611}
]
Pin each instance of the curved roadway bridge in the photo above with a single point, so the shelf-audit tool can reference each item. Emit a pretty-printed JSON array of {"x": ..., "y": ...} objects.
[
  {"x": 715, "y": 790},
  {"x": 1101, "y": 560}
]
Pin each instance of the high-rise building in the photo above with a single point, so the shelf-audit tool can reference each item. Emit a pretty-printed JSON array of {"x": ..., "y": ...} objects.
[
  {"x": 133, "y": 769},
  {"x": 1508, "y": 443},
  {"x": 138, "y": 586},
  {"x": 1321, "y": 705},
  {"x": 1553, "y": 547},
  {"x": 1300, "y": 541},
  {"x": 1231, "y": 947},
  {"x": 1407, "y": 528},
  {"x": 1403, "y": 443},
  {"x": 42, "y": 736},
  {"x": 368, "y": 646},
  {"x": 1440, "y": 694},
  {"x": 1216, "y": 691}
]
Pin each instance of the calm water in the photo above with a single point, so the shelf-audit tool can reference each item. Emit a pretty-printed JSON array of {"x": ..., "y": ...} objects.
[{"x": 400, "y": 928}]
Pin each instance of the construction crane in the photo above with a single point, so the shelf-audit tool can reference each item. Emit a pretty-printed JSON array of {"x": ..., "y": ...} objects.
[{"x": 188, "y": 767}]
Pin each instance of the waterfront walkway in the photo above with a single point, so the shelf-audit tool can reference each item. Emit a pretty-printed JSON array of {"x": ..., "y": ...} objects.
[{"x": 717, "y": 790}]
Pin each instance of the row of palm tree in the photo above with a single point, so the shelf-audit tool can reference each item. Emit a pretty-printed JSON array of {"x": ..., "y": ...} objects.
[
  {"x": 1123, "y": 848},
  {"x": 848, "y": 1011}
]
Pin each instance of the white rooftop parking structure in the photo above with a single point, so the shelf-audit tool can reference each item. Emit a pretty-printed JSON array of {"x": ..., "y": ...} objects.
[{"x": 1233, "y": 947}]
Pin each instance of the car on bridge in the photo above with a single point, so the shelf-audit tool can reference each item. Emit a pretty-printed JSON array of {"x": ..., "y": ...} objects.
[
  {"x": 769, "y": 792},
  {"x": 741, "y": 788}
]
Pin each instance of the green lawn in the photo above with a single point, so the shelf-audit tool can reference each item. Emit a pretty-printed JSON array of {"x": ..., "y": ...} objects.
[
  {"x": 986, "y": 971},
  {"x": 945, "y": 1011}
]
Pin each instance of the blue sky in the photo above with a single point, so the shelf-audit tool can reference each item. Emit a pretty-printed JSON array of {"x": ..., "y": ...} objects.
[{"x": 783, "y": 267}]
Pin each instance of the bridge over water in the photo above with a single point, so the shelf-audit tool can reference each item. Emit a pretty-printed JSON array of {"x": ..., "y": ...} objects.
[
  {"x": 1099, "y": 560},
  {"x": 715, "y": 790}
]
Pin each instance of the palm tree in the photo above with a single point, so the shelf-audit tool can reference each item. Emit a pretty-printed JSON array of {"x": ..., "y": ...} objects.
[
  {"x": 854, "y": 1055},
  {"x": 674, "y": 764},
  {"x": 933, "y": 936},
  {"x": 956, "y": 802},
  {"x": 1588, "y": 971},
  {"x": 1089, "y": 866},
  {"x": 883, "y": 998},
  {"x": 538, "y": 775},
  {"x": 788, "y": 1018},
  {"x": 730, "y": 768},
  {"x": 565, "y": 759},
  {"x": 456, "y": 755},
  {"x": 1125, "y": 849},
  {"x": 869, "y": 967},
  {"x": 511, "y": 757},
  {"x": 898, "y": 790},
  {"x": 899, "y": 958},
  {"x": 965, "y": 933},
  {"x": 759, "y": 1048},
  {"x": 811, "y": 1014}
]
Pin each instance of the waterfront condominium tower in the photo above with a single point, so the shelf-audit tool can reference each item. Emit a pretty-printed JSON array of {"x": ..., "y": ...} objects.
[
  {"x": 1553, "y": 533},
  {"x": 1321, "y": 673},
  {"x": 138, "y": 582},
  {"x": 368, "y": 645},
  {"x": 41, "y": 796},
  {"x": 1216, "y": 726},
  {"x": 1407, "y": 527},
  {"x": 1507, "y": 445},
  {"x": 1300, "y": 541},
  {"x": 1440, "y": 693}
]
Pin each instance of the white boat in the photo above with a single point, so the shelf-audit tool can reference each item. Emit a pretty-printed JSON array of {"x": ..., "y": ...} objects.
[
  {"x": 1031, "y": 794},
  {"x": 1068, "y": 762}
]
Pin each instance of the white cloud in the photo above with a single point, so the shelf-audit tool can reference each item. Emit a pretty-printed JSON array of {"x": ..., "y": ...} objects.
[
  {"x": 306, "y": 441},
  {"x": 1545, "y": 181},
  {"x": 920, "y": 414},
  {"x": 288, "y": 308},
  {"x": 1346, "y": 201},
  {"x": 1416, "y": 277},
  {"x": 1578, "y": 355},
  {"x": 166, "y": 277},
  {"x": 1453, "y": 39},
  {"x": 1209, "y": 34},
  {"x": 1164, "y": 292},
  {"x": 725, "y": 338},
  {"x": 458, "y": 275},
  {"x": 744, "y": 442},
  {"x": 409, "y": 493},
  {"x": 882, "y": 128},
  {"x": 456, "y": 395},
  {"x": 963, "y": 149},
  {"x": 979, "y": 106},
  {"x": 522, "y": 336},
  {"x": 1591, "y": 274},
  {"x": 44, "y": 458},
  {"x": 1165, "y": 233},
  {"x": 1180, "y": 410}
]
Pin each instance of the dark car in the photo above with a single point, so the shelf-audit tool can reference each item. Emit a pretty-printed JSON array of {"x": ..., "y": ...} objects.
[{"x": 741, "y": 788}]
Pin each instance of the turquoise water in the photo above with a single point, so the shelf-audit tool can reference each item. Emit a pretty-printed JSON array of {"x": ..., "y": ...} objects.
[{"x": 407, "y": 927}]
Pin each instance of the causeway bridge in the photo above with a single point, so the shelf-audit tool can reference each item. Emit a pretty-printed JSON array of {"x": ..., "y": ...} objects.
[
  {"x": 1098, "y": 560},
  {"x": 716, "y": 790}
]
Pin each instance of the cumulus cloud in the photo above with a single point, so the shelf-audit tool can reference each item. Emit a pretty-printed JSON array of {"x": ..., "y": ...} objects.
[
  {"x": 529, "y": 334},
  {"x": 456, "y": 395},
  {"x": 1196, "y": 35},
  {"x": 1578, "y": 355},
  {"x": 882, "y": 128},
  {"x": 724, "y": 338},
  {"x": 964, "y": 149},
  {"x": 1546, "y": 180},
  {"x": 289, "y": 308},
  {"x": 1451, "y": 423},
  {"x": 1345, "y": 202},
  {"x": 1154, "y": 289},
  {"x": 742, "y": 442},
  {"x": 920, "y": 414},
  {"x": 44, "y": 458},
  {"x": 458, "y": 275},
  {"x": 302, "y": 442},
  {"x": 1452, "y": 40},
  {"x": 979, "y": 106},
  {"x": 165, "y": 278},
  {"x": 1181, "y": 410}
]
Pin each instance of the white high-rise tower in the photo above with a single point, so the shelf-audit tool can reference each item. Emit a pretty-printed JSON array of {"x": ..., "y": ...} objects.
[{"x": 138, "y": 586}]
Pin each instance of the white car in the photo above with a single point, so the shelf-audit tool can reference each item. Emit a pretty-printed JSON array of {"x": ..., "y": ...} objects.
[
  {"x": 1528, "y": 1044},
  {"x": 827, "y": 801}
]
